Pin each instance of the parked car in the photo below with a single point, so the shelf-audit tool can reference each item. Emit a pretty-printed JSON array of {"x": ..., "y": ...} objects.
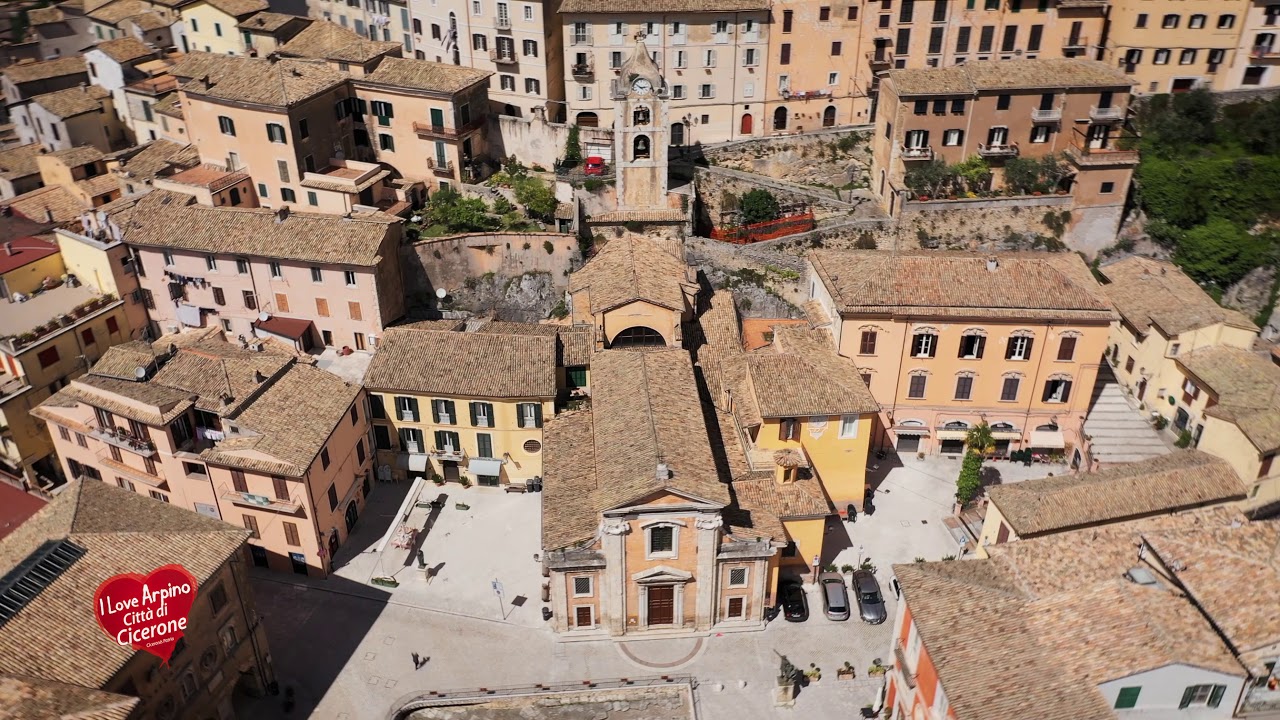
[
  {"x": 794, "y": 602},
  {"x": 870, "y": 602},
  {"x": 835, "y": 596},
  {"x": 594, "y": 166}
]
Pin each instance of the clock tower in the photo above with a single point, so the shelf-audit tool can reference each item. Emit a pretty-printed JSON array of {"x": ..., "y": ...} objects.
[{"x": 640, "y": 128}]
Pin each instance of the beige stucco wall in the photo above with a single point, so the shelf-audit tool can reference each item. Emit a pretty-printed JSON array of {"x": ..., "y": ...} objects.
[
  {"x": 28, "y": 278},
  {"x": 1123, "y": 35},
  {"x": 1153, "y": 357},
  {"x": 211, "y": 30}
]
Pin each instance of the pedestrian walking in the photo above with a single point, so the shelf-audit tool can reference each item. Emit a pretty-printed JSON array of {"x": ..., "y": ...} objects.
[{"x": 417, "y": 661}]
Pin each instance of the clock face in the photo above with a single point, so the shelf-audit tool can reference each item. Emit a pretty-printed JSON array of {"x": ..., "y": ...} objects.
[{"x": 642, "y": 85}]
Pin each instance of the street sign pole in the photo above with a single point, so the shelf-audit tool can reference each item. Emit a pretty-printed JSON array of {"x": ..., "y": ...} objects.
[{"x": 497, "y": 590}]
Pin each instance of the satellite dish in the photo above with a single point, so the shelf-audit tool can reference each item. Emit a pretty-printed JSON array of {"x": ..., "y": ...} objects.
[
  {"x": 440, "y": 293},
  {"x": 263, "y": 317},
  {"x": 140, "y": 373}
]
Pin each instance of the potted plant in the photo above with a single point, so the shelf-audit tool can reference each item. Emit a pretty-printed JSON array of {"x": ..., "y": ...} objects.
[
  {"x": 877, "y": 668},
  {"x": 813, "y": 674},
  {"x": 847, "y": 569},
  {"x": 464, "y": 482},
  {"x": 846, "y": 673},
  {"x": 437, "y": 478}
]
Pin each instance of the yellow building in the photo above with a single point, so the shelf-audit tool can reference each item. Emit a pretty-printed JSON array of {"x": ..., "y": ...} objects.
[
  {"x": 946, "y": 340},
  {"x": 461, "y": 405},
  {"x": 797, "y": 397},
  {"x": 26, "y": 263},
  {"x": 1176, "y": 45},
  {"x": 1163, "y": 485},
  {"x": 1163, "y": 313},
  {"x": 211, "y": 25},
  {"x": 635, "y": 292},
  {"x": 1229, "y": 401}
]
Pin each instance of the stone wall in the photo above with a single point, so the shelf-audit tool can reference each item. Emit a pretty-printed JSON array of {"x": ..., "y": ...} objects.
[
  {"x": 536, "y": 142},
  {"x": 818, "y": 159},
  {"x": 718, "y": 191},
  {"x": 482, "y": 271},
  {"x": 640, "y": 703}
]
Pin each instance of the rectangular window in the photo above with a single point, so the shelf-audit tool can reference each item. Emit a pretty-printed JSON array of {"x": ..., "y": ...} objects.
[
  {"x": 250, "y": 300},
  {"x": 852, "y": 13},
  {"x": 952, "y": 138},
  {"x": 1009, "y": 390},
  {"x": 251, "y": 524},
  {"x": 824, "y": 14},
  {"x": 280, "y": 486},
  {"x": 1019, "y": 348},
  {"x": 706, "y": 90},
  {"x": 291, "y": 534},
  {"x": 226, "y": 125},
  {"x": 275, "y": 134},
  {"x": 282, "y": 168},
  {"x": 916, "y": 389},
  {"x": 964, "y": 388},
  {"x": 836, "y": 48},
  {"x": 924, "y": 345},
  {"x": 381, "y": 437},
  {"x": 242, "y": 266},
  {"x": 64, "y": 433},
  {"x": 238, "y": 481},
  {"x": 1010, "y": 38},
  {"x": 353, "y": 310},
  {"x": 784, "y": 57},
  {"x": 962, "y": 39},
  {"x": 986, "y": 37},
  {"x": 219, "y": 297},
  {"x": 1033, "y": 40},
  {"x": 903, "y": 44},
  {"x": 1187, "y": 57},
  {"x": 582, "y": 586},
  {"x": 868, "y": 344},
  {"x": 530, "y": 415},
  {"x": 1140, "y": 21},
  {"x": 47, "y": 357},
  {"x": 972, "y": 346},
  {"x": 1067, "y": 348},
  {"x": 709, "y": 58},
  {"x": 1056, "y": 391},
  {"x": 661, "y": 539},
  {"x": 935, "y": 41},
  {"x": 333, "y": 497},
  {"x": 906, "y": 11},
  {"x": 484, "y": 445},
  {"x": 738, "y": 577},
  {"x": 788, "y": 429},
  {"x": 1039, "y": 134},
  {"x": 282, "y": 302},
  {"x": 848, "y": 427}
]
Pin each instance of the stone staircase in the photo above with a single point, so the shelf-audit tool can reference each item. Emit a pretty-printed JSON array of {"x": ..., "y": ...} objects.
[{"x": 1120, "y": 432}]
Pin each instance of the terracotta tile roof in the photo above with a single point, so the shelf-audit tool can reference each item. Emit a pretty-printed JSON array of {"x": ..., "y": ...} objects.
[
  {"x": 310, "y": 237},
  {"x": 425, "y": 75},
  {"x": 209, "y": 177},
  {"x": 1247, "y": 387},
  {"x": 157, "y": 158},
  {"x": 99, "y": 185},
  {"x": 332, "y": 186},
  {"x": 149, "y": 21},
  {"x": 121, "y": 531},
  {"x": 801, "y": 374},
  {"x": 786, "y": 501},
  {"x": 1233, "y": 573},
  {"x": 293, "y": 419},
  {"x": 44, "y": 16},
  {"x": 622, "y": 216},
  {"x": 1054, "y": 617},
  {"x": 633, "y": 268},
  {"x": 124, "y": 50},
  {"x": 28, "y": 697},
  {"x": 1030, "y": 285},
  {"x": 121, "y": 361},
  {"x": 239, "y": 8},
  {"x": 1150, "y": 292},
  {"x": 279, "y": 83},
  {"x": 723, "y": 360},
  {"x": 574, "y": 343},
  {"x": 15, "y": 507},
  {"x": 324, "y": 40},
  {"x": 170, "y": 105},
  {"x": 113, "y": 13},
  {"x": 20, "y": 161},
  {"x": 667, "y": 6},
  {"x": 73, "y": 101},
  {"x": 645, "y": 410},
  {"x": 195, "y": 65},
  {"x": 1048, "y": 73},
  {"x": 479, "y": 365},
  {"x": 224, "y": 377},
  {"x": 28, "y": 72},
  {"x": 50, "y": 199},
  {"x": 74, "y": 157},
  {"x": 161, "y": 404},
  {"x": 25, "y": 251},
  {"x": 1163, "y": 484},
  {"x": 268, "y": 21}
]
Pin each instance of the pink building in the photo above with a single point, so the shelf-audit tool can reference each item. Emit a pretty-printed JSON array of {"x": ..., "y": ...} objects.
[
  {"x": 256, "y": 439},
  {"x": 308, "y": 279}
]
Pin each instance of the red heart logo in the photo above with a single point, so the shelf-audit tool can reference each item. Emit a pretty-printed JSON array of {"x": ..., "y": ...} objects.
[{"x": 146, "y": 613}]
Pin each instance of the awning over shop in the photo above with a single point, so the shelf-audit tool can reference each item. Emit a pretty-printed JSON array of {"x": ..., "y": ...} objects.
[
  {"x": 911, "y": 430},
  {"x": 1007, "y": 435},
  {"x": 952, "y": 434},
  {"x": 1047, "y": 439},
  {"x": 413, "y": 462},
  {"x": 485, "y": 466}
]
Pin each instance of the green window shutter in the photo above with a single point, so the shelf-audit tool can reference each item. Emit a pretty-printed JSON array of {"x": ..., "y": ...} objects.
[
  {"x": 488, "y": 413},
  {"x": 449, "y": 410},
  {"x": 413, "y": 407},
  {"x": 435, "y": 411},
  {"x": 455, "y": 443},
  {"x": 1216, "y": 697},
  {"x": 537, "y": 414},
  {"x": 472, "y": 406},
  {"x": 439, "y": 439},
  {"x": 387, "y": 110},
  {"x": 1186, "y": 697},
  {"x": 484, "y": 444},
  {"x": 1127, "y": 698}
]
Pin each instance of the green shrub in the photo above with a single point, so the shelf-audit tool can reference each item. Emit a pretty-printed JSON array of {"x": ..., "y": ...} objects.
[
  {"x": 1184, "y": 439},
  {"x": 759, "y": 205},
  {"x": 969, "y": 483},
  {"x": 549, "y": 247},
  {"x": 592, "y": 184}
]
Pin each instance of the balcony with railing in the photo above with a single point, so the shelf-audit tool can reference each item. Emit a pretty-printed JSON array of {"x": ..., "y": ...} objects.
[
  {"x": 1264, "y": 52},
  {"x": 1107, "y": 114},
  {"x": 904, "y": 669},
  {"x": 262, "y": 502},
  {"x": 123, "y": 439},
  {"x": 502, "y": 57},
  {"x": 444, "y": 131},
  {"x": 1051, "y": 115},
  {"x": 143, "y": 475},
  {"x": 1111, "y": 150},
  {"x": 440, "y": 167},
  {"x": 585, "y": 69},
  {"x": 502, "y": 22},
  {"x": 998, "y": 150},
  {"x": 1075, "y": 42},
  {"x": 1073, "y": 4},
  {"x": 447, "y": 453},
  {"x": 880, "y": 57},
  {"x": 917, "y": 153}
]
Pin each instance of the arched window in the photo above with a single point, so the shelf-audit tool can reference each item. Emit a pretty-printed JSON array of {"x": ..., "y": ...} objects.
[
  {"x": 829, "y": 116},
  {"x": 640, "y": 116},
  {"x": 638, "y": 337},
  {"x": 780, "y": 118},
  {"x": 587, "y": 119},
  {"x": 640, "y": 148},
  {"x": 956, "y": 425},
  {"x": 677, "y": 134}
]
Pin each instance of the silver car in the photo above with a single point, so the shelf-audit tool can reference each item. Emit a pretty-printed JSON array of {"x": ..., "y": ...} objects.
[
  {"x": 870, "y": 601},
  {"x": 835, "y": 596}
]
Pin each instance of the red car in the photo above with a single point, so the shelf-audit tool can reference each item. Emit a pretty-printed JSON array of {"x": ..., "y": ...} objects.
[{"x": 595, "y": 166}]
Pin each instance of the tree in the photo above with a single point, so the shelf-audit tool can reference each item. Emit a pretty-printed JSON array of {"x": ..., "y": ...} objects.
[
  {"x": 974, "y": 172},
  {"x": 929, "y": 178},
  {"x": 573, "y": 147},
  {"x": 979, "y": 439},
  {"x": 1220, "y": 252},
  {"x": 1022, "y": 175},
  {"x": 759, "y": 205},
  {"x": 537, "y": 198},
  {"x": 970, "y": 481},
  {"x": 458, "y": 214}
]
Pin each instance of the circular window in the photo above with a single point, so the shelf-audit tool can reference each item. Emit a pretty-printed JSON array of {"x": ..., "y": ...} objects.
[
  {"x": 208, "y": 659},
  {"x": 533, "y": 447}
]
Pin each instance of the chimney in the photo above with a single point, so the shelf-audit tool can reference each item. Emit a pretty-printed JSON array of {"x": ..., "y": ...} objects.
[
  {"x": 48, "y": 215},
  {"x": 992, "y": 263},
  {"x": 8, "y": 248},
  {"x": 662, "y": 472},
  {"x": 281, "y": 213}
]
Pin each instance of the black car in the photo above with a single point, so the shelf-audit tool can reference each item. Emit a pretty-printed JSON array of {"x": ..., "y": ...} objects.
[{"x": 795, "y": 605}]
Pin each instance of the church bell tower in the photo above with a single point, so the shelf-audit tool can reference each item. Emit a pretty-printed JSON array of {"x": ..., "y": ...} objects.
[{"x": 640, "y": 132}]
